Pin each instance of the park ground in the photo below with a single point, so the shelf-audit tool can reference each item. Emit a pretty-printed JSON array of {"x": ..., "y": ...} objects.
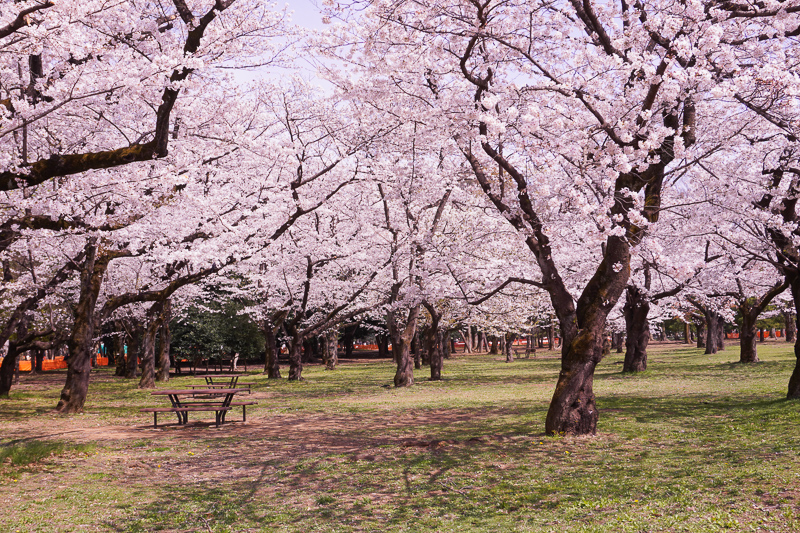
[{"x": 697, "y": 443}]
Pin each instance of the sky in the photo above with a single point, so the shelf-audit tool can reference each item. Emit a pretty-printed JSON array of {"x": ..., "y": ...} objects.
[{"x": 306, "y": 13}]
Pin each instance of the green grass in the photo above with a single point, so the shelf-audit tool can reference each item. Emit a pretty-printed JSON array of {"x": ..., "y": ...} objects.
[{"x": 695, "y": 444}]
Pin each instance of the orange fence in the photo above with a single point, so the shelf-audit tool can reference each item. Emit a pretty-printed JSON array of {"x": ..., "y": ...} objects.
[{"x": 54, "y": 364}]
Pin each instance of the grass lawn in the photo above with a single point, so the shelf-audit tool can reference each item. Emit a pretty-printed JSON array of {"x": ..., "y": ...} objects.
[{"x": 697, "y": 443}]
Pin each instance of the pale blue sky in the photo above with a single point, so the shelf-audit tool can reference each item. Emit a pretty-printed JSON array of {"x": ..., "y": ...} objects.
[{"x": 305, "y": 13}]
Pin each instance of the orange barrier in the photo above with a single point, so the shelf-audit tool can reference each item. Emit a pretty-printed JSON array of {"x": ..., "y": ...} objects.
[{"x": 56, "y": 364}]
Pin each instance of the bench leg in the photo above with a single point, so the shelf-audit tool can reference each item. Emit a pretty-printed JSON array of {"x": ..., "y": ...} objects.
[{"x": 244, "y": 413}]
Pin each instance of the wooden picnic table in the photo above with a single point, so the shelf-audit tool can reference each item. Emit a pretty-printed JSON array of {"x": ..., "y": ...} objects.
[
  {"x": 232, "y": 381},
  {"x": 214, "y": 399}
]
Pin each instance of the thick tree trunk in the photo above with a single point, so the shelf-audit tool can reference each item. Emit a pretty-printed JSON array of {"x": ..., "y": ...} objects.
[
  {"x": 687, "y": 333},
  {"x": 794, "y": 381},
  {"x": 713, "y": 323},
  {"x": 793, "y": 392},
  {"x": 551, "y": 337},
  {"x": 148, "y": 358},
  {"x": 606, "y": 345},
  {"x": 508, "y": 347},
  {"x": 296, "y": 359},
  {"x": 134, "y": 351},
  {"x": 383, "y": 349},
  {"x": 791, "y": 326},
  {"x": 165, "y": 339},
  {"x": 39, "y": 359},
  {"x": 310, "y": 350},
  {"x": 747, "y": 336},
  {"x": 495, "y": 349},
  {"x": 332, "y": 349},
  {"x": 701, "y": 334},
  {"x": 437, "y": 355},
  {"x": 81, "y": 340},
  {"x": 619, "y": 343},
  {"x": 425, "y": 347},
  {"x": 402, "y": 334},
  {"x": 637, "y": 329},
  {"x": 271, "y": 367},
  {"x": 7, "y": 369},
  {"x": 434, "y": 340},
  {"x": 721, "y": 334},
  {"x": 348, "y": 338},
  {"x": 572, "y": 409},
  {"x": 155, "y": 319}
]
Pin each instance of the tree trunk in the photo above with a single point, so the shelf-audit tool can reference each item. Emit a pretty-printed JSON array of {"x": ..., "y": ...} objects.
[
  {"x": 794, "y": 381},
  {"x": 467, "y": 338},
  {"x": 747, "y": 337},
  {"x": 437, "y": 355},
  {"x": 332, "y": 349},
  {"x": 310, "y": 350},
  {"x": 134, "y": 351},
  {"x": 415, "y": 349},
  {"x": 163, "y": 360},
  {"x": 296, "y": 359},
  {"x": 383, "y": 349},
  {"x": 509, "y": 347},
  {"x": 617, "y": 341},
  {"x": 148, "y": 359},
  {"x": 551, "y": 337},
  {"x": 495, "y": 350},
  {"x": 271, "y": 367},
  {"x": 687, "y": 333},
  {"x": 434, "y": 339},
  {"x": 720, "y": 334},
  {"x": 7, "y": 369},
  {"x": 701, "y": 334},
  {"x": 572, "y": 409},
  {"x": 637, "y": 329},
  {"x": 425, "y": 346},
  {"x": 402, "y": 335},
  {"x": 791, "y": 326},
  {"x": 711, "y": 332},
  {"x": 76, "y": 387},
  {"x": 119, "y": 349},
  {"x": 348, "y": 338}
]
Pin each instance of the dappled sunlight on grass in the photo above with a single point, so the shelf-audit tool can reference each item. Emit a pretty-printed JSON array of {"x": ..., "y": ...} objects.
[{"x": 695, "y": 444}]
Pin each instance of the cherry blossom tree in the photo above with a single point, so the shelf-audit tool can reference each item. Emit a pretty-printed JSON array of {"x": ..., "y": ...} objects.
[{"x": 595, "y": 100}]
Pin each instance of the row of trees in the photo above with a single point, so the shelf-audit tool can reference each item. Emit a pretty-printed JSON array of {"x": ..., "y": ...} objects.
[{"x": 483, "y": 162}]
